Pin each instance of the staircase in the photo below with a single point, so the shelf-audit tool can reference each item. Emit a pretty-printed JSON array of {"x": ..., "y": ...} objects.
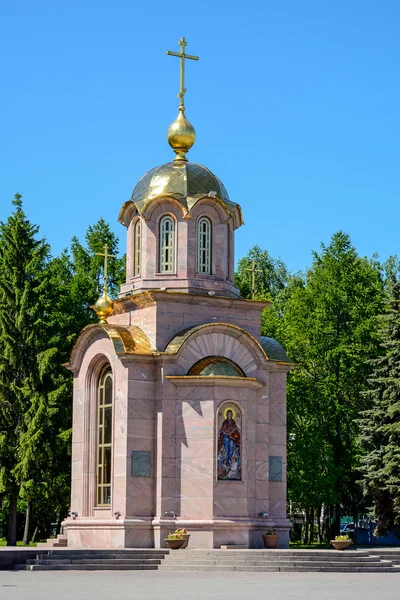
[
  {"x": 392, "y": 554},
  {"x": 60, "y": 541},
  {"x": 349, "y": 561},
  {"x": 95, "y": 560}
]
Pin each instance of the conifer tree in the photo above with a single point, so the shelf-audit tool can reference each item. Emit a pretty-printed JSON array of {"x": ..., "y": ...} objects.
[
  {"x": 86, "y": 270},
  {"x": 23, "y": 331},
  {"x": 380, "y": 425},
  {"x": 35, "y": 390}
]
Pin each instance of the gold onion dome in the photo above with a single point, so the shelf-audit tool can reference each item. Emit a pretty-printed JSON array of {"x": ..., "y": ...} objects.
[
  {"x": 184, "y": 181},
  {"x": 103, "y": 307},
  {"x": 181, "y": 136}
]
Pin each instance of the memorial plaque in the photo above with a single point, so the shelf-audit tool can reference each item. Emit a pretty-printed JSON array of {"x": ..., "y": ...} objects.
[
  {"x": 275, "y": 468},
  {"x": 141, "y": 463}
]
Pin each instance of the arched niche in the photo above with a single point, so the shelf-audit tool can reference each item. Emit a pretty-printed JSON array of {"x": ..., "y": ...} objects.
[{"x": 229, "y": 442}]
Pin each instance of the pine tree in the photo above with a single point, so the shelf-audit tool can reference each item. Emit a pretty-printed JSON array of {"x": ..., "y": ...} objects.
[
  {"x": 380, "y": 425},
  {"x": 35, "y": 390}
]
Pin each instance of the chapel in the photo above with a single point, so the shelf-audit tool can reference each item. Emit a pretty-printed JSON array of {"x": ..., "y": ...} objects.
[{"x": 179, "y": 404}]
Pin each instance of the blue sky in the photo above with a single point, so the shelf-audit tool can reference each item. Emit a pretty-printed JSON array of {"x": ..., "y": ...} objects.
[{"x": 295, "y": 104}]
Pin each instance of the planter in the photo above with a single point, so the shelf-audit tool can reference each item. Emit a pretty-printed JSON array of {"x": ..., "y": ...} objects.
[
  {"x": 270, "y": 541},
  {"x": 186, "y": 537},
  {"x": 174, "y": 544},
  {"x": 340, "y": 544}
]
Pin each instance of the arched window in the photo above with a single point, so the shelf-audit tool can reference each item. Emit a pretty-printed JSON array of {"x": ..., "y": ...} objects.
[
  {"x": 104, "y": 437},
  {"x": 216, "y": 365},
  {"x": 137, "y": 237},
  {"x": 167, "y": 245},
  {"x": 204, "y": 246}
]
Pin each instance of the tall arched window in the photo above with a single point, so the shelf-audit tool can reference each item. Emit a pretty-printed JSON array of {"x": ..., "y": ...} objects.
[
  {"x": 137, "y": 241},
  {"x": 204, "y": 246},
  {"x": 104, "y": 437},
  {"x": 167, "y": 245}
]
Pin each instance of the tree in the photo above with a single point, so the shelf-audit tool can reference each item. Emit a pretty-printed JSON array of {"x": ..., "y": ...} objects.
[
  {"x": 45, "y": 302},
  {"x": 270, "y": 279},
  {"x": 380, "y": 424},
  {"x": 28, "y": 392},
  {"x": 330, "y": 331},
  {"x": 86, "y": 272}
]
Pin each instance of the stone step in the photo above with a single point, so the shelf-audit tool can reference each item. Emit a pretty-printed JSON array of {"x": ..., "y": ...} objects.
[
  {"x": 385, "y": 551},
  {"x": 297, "y": 563},
  {"x": 387, "y": 556},
  {"x": 111, "y": 556},
  {"x": 53, "y": 544},
  {"x": 89, "y": 561},
  {"x": 339, "y": 569},
  {"x": 58, "y": 542},
  {"x": 116, "y": 552},
  {"x": 86, "y": 567},
  {"x": 181, "y": 558},
  {"x": 269, "y": 553}
]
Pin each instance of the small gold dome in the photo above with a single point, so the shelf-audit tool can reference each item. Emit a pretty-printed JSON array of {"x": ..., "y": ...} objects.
[
  {"x": 103, "y": 307},
  {"x": 181, "y": 136}
]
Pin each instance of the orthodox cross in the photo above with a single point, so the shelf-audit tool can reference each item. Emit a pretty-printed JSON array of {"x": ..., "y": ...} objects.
[
  {"x": 253, "y": 277},
  {"x": 105, "y": 268},
  {"x": 182, "y": 56}
]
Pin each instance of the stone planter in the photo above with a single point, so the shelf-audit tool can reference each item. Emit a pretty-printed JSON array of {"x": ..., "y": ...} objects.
[
  {"x": 186, "y": 537},
  {"x": 270, "y": 541},
  {"x": 174, "y": 544},
  {"x": 340, "y": 544}
]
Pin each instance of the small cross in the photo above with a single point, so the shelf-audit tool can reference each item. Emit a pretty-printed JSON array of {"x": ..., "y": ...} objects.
[
  {"x": 106, "y": 257},
  {"x": 182, "y": 56},
  {"x": 253, "y": 278}
]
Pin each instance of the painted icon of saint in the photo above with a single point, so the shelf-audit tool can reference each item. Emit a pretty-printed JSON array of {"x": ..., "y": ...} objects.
[{"x": 229, "y": 464}]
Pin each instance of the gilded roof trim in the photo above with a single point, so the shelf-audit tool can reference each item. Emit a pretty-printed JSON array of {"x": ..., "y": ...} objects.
[
  {"x": 270, "y": 348},
  {"x": 177, "y": 341},
  {"x": 125, "y": 340}
]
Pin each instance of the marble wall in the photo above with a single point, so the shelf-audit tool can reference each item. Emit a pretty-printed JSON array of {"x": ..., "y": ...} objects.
[{"x": 173, "y": 420}]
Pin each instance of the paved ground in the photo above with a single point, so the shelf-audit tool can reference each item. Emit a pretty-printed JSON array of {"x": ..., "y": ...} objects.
[{"x": 136, "y": 585}]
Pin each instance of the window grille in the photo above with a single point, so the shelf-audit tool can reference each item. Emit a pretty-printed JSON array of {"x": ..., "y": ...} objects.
[
  {"x": 167, "y": 245},
  {"x": 137, "y": 247},
  {"x": 204, "y": 246},
  {"x": 104, "y": 437}
]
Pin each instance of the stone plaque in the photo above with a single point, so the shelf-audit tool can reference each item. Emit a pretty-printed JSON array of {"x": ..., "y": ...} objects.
[
  {"x": 141, "y": 463},
  {"x": 275, "y": 468}
]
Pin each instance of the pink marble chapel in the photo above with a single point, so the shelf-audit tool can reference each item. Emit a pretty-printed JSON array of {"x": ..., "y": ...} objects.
[{"x": 179, "y": 406}]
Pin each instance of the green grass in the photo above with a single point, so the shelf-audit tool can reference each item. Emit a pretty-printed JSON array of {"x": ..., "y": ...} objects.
[
  {"x": 299, "y": 546},
  {"x": 4, "y": 543}
]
